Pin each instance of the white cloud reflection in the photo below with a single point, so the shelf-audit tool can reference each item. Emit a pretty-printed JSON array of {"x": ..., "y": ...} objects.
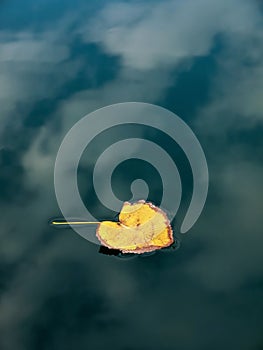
[
  {"x": 188, "y": 31},
  {"x": 30, "y": 49},
  {"x": 148, "y": 36},
  {"x": 33, "y": 67},
  {"x": 152, "y": 41}
]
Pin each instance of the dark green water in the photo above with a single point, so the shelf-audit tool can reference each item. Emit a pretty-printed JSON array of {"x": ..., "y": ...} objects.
[{"x": 60, "y": 60}]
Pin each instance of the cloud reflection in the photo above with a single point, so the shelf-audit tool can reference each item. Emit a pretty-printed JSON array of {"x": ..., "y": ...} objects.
[{"x": 209, "y": 283}]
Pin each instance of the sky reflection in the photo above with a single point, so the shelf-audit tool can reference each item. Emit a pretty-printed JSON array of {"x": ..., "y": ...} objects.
[{"x": 201, "y": 59}]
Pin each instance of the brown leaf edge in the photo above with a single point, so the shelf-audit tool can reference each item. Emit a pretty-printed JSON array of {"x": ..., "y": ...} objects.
[{"x": 146, "y": 249}]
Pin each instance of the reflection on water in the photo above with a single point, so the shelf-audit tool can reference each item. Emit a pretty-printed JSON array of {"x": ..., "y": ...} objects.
[{"x": 58, "y": 62}]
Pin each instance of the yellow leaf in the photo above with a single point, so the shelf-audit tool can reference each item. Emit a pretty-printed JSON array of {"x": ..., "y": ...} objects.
[{"x": 142, "y": 227}]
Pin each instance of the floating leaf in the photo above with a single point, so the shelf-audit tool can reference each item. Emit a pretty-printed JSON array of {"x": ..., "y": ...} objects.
[{"x": 142, "y": 228}]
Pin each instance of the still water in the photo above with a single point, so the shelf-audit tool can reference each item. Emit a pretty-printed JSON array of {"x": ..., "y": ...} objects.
[{"x": 61, "y": 60}]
